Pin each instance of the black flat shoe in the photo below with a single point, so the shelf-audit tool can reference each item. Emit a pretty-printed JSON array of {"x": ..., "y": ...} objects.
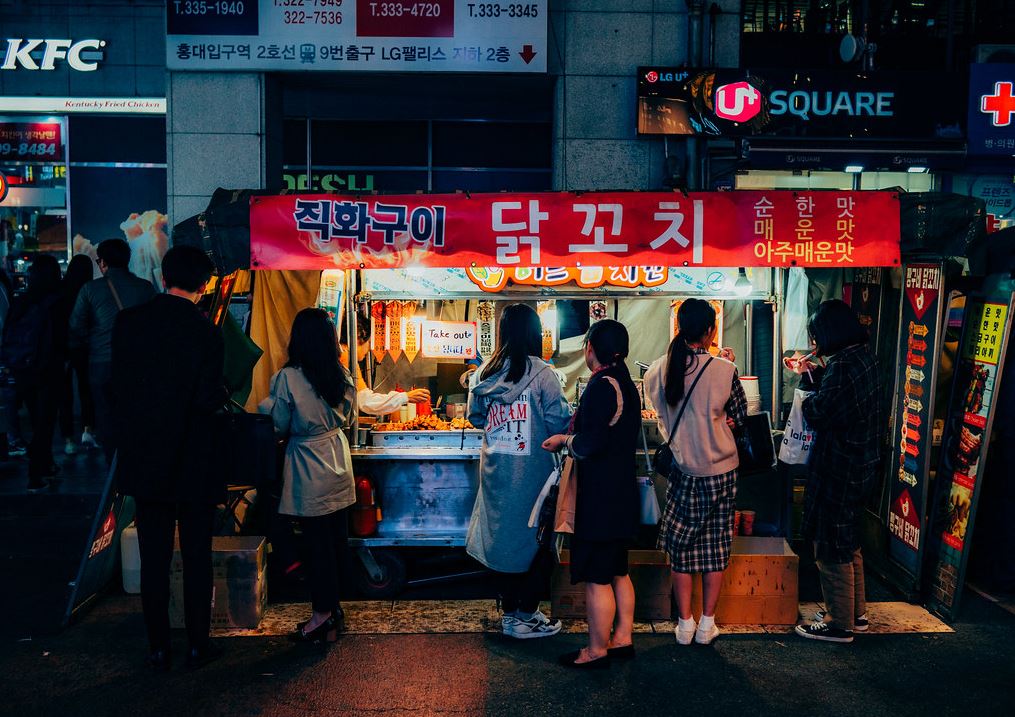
[
  {"x": 568, "y": 660},
  {"x": 624, "y": 652},
  {"x": 160, "y": 660},
  {"x": 324, "y": 633},
  {"x": 198, "y": 657}
]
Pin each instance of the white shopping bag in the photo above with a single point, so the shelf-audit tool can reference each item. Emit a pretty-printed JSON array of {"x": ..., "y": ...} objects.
[
  {"x": 551, "y": 481},
  {"x": 798, "y": 438}
]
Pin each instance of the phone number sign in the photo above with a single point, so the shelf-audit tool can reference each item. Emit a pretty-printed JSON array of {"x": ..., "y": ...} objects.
[
  {"x": 31, "y": 141},
  {"x": 357, "y": 35}
]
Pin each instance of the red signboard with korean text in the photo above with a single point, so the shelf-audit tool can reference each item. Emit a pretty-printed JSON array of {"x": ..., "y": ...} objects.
[
  {"x": 31, "y": 141},
  {"x": 750, "y": 229}
]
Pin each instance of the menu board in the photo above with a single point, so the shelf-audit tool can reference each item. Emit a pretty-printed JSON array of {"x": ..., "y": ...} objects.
[
  {"x": 967, "y": 435},
  {"x": 865, "y": 300},
  {"x": 920, "y": 325}
]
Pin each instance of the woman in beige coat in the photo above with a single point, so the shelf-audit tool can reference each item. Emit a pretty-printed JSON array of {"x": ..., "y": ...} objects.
[{"x": 312, "y": 399}]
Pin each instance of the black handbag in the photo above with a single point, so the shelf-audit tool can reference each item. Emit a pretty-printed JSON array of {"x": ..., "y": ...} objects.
[
  {"x": 246, "y": 449},
  {"x": 662, "y": 461},
  {"x": 755, "y": 446}
]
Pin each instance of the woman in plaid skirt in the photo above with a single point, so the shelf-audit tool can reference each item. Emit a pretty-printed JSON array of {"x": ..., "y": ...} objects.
[{"x": 696, "y": 529}]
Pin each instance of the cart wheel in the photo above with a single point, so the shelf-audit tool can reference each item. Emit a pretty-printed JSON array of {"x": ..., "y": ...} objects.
[{"x": 392, "y": 575}]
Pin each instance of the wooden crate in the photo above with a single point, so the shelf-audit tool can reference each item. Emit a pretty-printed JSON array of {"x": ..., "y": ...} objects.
[
  {"x": 650, "y": 573},
  {"x": 761, "y": 585}
]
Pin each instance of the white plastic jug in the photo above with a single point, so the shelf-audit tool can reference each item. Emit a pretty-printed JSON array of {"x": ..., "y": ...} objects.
[{"x": 130, "y": 559}]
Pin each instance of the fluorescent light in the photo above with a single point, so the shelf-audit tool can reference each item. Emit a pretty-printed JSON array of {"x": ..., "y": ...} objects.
[
  {"x": 917, "y": 170},
  {"x": 854, "y": 168}
]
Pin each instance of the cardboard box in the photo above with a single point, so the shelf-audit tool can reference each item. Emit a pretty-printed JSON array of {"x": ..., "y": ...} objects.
[
  {"x": 650, "y": 573},
  {"x": 761, "y": 585},
  {"x": 239, "y": 583}
]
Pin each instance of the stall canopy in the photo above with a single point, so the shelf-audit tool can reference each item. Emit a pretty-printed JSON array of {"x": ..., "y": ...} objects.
[{"x": 568, "y": 229}]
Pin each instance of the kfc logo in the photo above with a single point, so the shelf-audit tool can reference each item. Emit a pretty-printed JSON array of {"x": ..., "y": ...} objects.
[
  {"x": 652, "y": 76},
  {"x": 737, "y": 102}
]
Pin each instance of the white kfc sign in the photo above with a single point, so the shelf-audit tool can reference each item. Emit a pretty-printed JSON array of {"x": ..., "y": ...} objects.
[{"x": 32, "y": 54}]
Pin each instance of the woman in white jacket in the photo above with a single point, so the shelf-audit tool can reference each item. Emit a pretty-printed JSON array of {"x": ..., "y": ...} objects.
[{"x": 368, "y": 400}]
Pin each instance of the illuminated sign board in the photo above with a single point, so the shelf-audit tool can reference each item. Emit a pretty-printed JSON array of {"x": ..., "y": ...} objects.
[{"x": 35, "y": 54}]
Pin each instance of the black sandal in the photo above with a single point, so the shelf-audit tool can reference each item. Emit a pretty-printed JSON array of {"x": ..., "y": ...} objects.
[{"x": 323, "y": 633}]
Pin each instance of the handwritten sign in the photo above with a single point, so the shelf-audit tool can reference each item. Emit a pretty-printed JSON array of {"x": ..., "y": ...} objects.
[{"x": 449, "y": 339}]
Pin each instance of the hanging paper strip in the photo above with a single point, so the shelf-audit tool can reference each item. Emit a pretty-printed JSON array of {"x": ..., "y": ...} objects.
[
  {"x": 487, "y": 329},
  {"x": 393, "y": 317},
  {"x": 410, "y": 330},
  {"x": 597, "y": 310},
  {"x": 378, "y": 331},
  {"x": 547, "y": 311}
]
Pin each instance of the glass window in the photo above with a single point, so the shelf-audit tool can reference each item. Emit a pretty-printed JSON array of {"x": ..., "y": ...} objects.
[
  {"x": 492, "y": 144},
  {"x": 368, "y": 144}
]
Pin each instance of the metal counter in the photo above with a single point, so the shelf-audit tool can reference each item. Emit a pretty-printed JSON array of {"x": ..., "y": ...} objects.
[{"x": 426, "y": 494}]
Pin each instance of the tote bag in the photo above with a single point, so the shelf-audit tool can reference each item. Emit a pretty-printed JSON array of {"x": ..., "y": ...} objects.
[
  {"x": 798, "y": 438},
  {"x": 567, "y": 497}
]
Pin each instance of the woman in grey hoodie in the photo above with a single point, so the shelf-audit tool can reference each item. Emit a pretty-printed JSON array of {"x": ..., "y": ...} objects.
[{"x": 517, "y": 399}]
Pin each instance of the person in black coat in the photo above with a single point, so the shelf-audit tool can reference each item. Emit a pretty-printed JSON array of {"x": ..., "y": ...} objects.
[
  {"x": 604, "y": 442},
  {"x": 167, "y": 366}
]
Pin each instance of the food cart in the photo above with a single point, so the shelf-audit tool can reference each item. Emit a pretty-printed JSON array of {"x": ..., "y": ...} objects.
[{"x": 429, "y": 272}]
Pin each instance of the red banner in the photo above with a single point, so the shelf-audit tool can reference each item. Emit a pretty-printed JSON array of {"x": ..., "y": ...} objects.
[{"x": 722, "y": 229}]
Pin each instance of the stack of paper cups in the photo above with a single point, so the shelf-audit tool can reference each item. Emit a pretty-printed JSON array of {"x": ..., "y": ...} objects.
[{"x": 753, "y": 392}]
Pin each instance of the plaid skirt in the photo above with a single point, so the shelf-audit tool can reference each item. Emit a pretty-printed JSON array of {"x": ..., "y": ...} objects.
[{"x": 696, "y": 529}]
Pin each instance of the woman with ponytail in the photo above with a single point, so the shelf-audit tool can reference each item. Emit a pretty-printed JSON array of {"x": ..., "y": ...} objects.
[{"x": 700, "y": 403}]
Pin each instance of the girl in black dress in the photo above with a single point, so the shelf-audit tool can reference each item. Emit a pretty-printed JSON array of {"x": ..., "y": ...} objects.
[{"x": 603, "y": 441}]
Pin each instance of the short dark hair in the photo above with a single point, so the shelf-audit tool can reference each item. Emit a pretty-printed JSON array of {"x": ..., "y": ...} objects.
[
  {"x": 187, "y": 268},
  {"x": 834, "y": 327},
  {"x": 609, "y": 341},
  {"x": 114, "y": 252}
]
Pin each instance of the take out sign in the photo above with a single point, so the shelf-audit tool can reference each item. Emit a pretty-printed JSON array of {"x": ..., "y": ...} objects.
[{"x": 449, "y": 339}]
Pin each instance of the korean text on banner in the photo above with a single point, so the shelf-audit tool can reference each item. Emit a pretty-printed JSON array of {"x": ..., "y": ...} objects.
[{"x": 751, "y": 229}]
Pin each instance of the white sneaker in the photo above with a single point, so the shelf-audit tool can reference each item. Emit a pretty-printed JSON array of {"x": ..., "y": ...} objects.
[
  {"x": 685, "y": 633},
  {"x": 539, "y": 625},
  {"x": 706, "y": 637}
]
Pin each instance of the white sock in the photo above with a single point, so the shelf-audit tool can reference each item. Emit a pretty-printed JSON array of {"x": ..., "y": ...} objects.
[
  {"x": 683, "y": 624},
  {"x": 707, "y": 623}
]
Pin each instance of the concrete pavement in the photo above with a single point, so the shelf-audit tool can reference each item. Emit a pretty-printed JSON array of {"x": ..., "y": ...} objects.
[{"x": 94, "y": 669}]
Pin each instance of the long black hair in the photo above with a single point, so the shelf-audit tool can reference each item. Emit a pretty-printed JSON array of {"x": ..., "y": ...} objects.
[
  {"x": 313, "y": 349},
  {"x": 79, "y": 273},
  {"x": 834, "y": 327},
  {"x": 519, "y": 335},
  {"x": 609, "y": 341},
  {"x": 695, "y": 321}
]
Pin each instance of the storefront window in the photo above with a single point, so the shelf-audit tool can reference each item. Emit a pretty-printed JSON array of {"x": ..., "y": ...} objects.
[
  {"x": 787, "y": 179},
  {"x": 33, "y": 161},
  {"x": 489, "y": 135}
]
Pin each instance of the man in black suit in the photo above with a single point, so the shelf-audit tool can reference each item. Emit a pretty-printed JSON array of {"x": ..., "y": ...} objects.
[{"x": 167, "y": 363}]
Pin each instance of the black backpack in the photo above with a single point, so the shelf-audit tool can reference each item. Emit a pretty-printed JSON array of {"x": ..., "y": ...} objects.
[{"x": 28, "y": 335}]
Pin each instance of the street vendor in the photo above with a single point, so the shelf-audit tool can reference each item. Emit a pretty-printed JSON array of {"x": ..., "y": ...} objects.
[{"x": 367, "y": 400}]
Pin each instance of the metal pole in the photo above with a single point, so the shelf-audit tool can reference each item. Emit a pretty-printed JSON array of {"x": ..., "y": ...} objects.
[
  {"x": 749, "y": 330},
  {"x": 777, "y": 298},
  {"x": 353, "y": 341}
]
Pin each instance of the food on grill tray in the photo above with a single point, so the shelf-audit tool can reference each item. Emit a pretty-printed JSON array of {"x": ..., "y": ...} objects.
[
  {"x": 648, "y": 414},
  {"x": 425, "y": 423}
]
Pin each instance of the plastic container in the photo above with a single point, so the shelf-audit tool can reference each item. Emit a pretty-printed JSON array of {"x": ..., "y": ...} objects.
[{"x": 130, "y": 559}]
